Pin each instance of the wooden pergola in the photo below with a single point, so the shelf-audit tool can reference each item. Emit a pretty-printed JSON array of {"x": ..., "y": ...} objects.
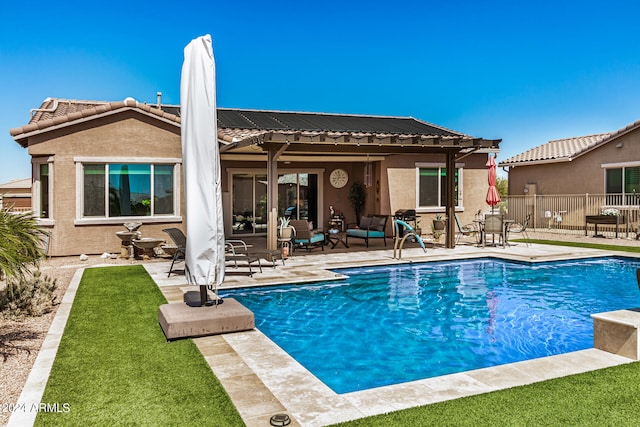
[{"x": 277, "y": 144}]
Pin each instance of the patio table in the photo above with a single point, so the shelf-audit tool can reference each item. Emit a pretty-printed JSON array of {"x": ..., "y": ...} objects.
[{"x": 335, "y": 238}]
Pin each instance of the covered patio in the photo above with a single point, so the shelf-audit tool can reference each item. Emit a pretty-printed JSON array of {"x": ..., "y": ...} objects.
[{"x": 274, "y": 137}]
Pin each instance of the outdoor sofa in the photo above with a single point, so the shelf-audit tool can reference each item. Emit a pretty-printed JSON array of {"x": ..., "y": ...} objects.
[{"x": 370, "y": 227}]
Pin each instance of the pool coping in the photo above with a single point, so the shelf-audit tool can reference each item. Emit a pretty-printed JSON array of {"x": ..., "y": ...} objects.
[{"x": 251, "y": 361}]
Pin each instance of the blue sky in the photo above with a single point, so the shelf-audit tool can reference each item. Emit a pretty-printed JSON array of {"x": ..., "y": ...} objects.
[{"x": 523, "y": 72}]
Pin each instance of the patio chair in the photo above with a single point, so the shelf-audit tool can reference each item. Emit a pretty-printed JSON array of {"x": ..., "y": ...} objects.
[
  {"x": 180, "y": 241},
  {"x": 370, "y": 227},
  {"x": 236, "y": 250},
  {"x": 521, "y": 228},
  {"x": 494, "y": 224},
  {"x": 468, "y": 230},
  {"x": 303, "y": 235}
]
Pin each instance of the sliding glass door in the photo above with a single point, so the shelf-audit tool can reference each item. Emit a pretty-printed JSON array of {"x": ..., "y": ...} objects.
[
  {"x": 249, "y": 206},
  {"x": 298, "y": 196}
]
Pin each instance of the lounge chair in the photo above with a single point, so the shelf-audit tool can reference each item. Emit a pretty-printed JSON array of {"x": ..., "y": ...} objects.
[
  {"x": 180, "y": 241},
  {"x": 521, "y": 228},
  {"x": 370, "y": 227},
  {"x": 237, "y": 251},
  {"x": 468, "y": 230},
  {"x": 303, "y": 235},
  {"x": 494, "y": 224}
]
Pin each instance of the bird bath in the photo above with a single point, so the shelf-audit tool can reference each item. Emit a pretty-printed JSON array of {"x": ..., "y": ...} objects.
[
  {"x": 147, "y": 244},
  {"x": 126, "y": 250},
  {"x": 127, "y": 236}
]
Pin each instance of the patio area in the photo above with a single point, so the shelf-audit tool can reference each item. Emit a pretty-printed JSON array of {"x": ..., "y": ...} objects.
[{"x": 251, "y": 361}]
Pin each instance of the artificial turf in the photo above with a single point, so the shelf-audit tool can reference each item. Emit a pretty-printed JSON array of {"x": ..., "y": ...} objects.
[{"x": 115, "y": 367}]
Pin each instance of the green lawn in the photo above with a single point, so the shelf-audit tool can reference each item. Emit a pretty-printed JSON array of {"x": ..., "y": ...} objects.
[{"x": 114, "y": 366}]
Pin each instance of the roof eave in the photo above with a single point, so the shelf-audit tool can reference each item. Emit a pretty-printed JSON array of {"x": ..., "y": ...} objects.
[
  {"x": 23, "y": 138},
  {"x": 535, "y": 162}
]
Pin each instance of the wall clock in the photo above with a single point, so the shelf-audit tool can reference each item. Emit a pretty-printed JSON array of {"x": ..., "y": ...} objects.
[{"x": 338, "y": 178}]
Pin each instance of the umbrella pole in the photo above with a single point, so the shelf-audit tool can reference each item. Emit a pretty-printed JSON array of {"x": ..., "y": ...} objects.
[{"x": 203, "y": 296}]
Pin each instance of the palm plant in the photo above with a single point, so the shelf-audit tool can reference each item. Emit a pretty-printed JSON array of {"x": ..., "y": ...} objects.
[{"x": 21, "y": 243}]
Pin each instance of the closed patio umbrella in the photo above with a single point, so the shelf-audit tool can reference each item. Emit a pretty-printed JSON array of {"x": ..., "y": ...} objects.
[
  {"x": 493, "y": 197},
  {"x": 204, "y": 251}
]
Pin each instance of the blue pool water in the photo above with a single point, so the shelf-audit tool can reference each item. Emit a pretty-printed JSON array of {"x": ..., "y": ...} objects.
[{"x": 392, "y": 324}]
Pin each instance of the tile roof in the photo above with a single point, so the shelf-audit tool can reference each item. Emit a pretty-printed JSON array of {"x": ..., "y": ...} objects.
[
  {"x": 567, "y": 149},
  {"x": 248, "y": 126},
  {"x": 20, "y": 183}
]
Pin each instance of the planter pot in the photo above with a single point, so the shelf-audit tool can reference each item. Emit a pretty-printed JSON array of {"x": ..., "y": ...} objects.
[{"x": 438, "y": 225}]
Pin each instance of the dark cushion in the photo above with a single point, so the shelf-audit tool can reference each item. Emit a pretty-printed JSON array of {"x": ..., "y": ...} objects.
[
  {"x": 378, "y": 223},
  {"x": 365, "y": 222}
]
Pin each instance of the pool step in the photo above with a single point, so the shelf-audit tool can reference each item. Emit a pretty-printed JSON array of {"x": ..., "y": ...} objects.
[{"x": 617, "y": 332}]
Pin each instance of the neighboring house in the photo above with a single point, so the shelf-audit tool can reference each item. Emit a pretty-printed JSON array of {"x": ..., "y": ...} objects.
[
  {"x": 98, "y": 164},
  {"x": 607, "y": 163},
  {"x": 15, "y": 195}
]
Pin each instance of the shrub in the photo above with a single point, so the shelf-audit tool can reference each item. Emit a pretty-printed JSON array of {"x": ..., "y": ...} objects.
[
  {"x": 21, "y": 243},
  {"x": 28, "y": 296}
]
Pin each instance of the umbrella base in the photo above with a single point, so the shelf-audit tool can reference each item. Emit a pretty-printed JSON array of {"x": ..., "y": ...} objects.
[{"x": 179, "y": 320}]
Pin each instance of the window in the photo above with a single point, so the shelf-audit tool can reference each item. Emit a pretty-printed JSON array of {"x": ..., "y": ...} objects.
[
  {"x": 432, "y": 187},
  {"x": 114, "y": 190},
  {"x": 622, "y": 185},
  {"x": 44, "y": 193},
  {"x": 43, "y": 182}
]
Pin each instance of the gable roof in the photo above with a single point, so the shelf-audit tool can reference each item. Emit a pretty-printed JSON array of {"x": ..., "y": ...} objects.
[
  {"x": 567, "y": 149},
  {"x": 237, "y": 128},
  {"x": 20, "y": 183}
]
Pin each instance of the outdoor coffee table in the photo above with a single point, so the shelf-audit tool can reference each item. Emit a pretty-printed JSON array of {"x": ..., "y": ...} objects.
[{"x": 335, "y": 238}]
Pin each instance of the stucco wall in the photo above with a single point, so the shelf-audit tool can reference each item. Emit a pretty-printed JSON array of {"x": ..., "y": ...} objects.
[
  {"x": 582, "y": 175},
  {"x": 127, "y": 135},
  {"x": 400, "y": 175}
]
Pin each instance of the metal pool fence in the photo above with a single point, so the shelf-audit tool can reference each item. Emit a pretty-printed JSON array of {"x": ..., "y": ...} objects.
[{"x": 566, "y": 213}]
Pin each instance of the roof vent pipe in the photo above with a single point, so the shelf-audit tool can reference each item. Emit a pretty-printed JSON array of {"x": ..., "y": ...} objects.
[{"x": 159, "y": 95}]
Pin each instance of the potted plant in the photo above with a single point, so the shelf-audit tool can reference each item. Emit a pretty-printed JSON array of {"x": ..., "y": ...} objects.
[
  {"x": 285, "y": 234},
  {"x": 283, "y": 222},
  {"x": 439, "y": 223},
  {"x": 357, "y": 197}
]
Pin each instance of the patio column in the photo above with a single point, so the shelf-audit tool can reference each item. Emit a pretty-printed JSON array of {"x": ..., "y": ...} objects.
[
  {"x": 273, "y": 153},
  {"x": 450, "y": 202}
]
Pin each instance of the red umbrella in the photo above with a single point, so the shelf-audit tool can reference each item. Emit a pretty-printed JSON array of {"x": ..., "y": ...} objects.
[{"x": 493, "y": 198}]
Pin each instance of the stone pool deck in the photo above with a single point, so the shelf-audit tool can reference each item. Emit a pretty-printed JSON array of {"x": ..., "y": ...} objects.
[{"x": 263, "y": 380}]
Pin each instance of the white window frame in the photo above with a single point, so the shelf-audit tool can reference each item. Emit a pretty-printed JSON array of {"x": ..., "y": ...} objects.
[
  {"x": 439, "y": 209},
  {"x": 37, "y": 191},
  {"x": 82, "y": 220}
]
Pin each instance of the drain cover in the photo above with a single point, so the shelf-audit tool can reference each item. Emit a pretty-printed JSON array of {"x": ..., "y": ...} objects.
[{"x": 280, "y": 420}]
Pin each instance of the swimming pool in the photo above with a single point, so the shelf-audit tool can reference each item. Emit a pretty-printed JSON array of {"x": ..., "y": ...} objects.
[{"x": 393, "y": 324}]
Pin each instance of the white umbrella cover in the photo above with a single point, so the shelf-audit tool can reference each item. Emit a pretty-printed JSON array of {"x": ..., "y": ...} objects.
[{"x": 204, "y": 252}]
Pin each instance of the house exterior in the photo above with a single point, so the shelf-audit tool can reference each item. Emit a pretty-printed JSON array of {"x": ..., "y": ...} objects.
[
  {"x": 97, "y": 165},
  {"x": 607, "y": 163},
  {"x": 15, "y": 195}
]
